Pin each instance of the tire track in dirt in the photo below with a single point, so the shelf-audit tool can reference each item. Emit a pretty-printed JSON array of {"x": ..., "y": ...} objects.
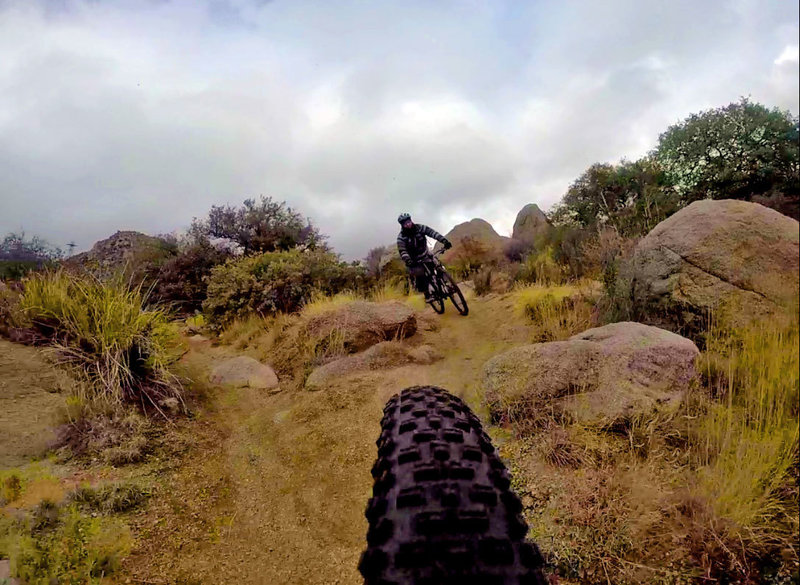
[{"x": 294, "y": 469}]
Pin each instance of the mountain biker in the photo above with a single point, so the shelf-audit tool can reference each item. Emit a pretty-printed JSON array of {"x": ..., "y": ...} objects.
[{"x": 413, "y": 248}]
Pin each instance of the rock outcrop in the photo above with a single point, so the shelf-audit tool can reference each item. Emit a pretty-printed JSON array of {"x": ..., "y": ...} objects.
[
  {"x": 360, "y": 324},
  {"x": 531, "y": 223},
  {"x": 384, "y": 355},
  {"x": 600, "y": 376},
  {"x": 475, "y": 238},
  {"x": 124, "y": 252},
  {"x": 715, "y": 252}
]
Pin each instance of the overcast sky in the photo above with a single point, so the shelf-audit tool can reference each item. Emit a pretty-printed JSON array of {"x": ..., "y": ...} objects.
[{"x": 142, "y": 114}]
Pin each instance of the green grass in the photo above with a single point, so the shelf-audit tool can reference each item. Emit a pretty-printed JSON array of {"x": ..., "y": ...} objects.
[
  {"x": 118, "y": 348},
  {"x": 541, "y": 268},
  {"x": 320, "y": 303},
  {"x": 52, "y": 536},
  {"x": 557, "y": 311},
  {"x": 64, "y": 545}
]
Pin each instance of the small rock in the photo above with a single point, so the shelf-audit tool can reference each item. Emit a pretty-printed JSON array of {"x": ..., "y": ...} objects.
[
  {"x": 199, "y": 340},
  {"x": 171, "y": 405},
  {"x": 242, "y": 372},
  {"x": 425, "y": 354},
  {"x": 5, "y": 573},
  {"x": 384, "y": 355}
]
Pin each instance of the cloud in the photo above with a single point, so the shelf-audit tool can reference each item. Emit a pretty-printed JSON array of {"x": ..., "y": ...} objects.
[
  {"x": 141, "y": 115},
  {"x": 789, "y": 55}
]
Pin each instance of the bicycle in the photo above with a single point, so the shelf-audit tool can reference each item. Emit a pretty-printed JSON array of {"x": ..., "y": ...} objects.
[
  {"x": 442, "y": 286},
  {"x": 442, "y": 510}
]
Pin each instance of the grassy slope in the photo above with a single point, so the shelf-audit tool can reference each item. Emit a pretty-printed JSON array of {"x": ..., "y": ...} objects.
[{"x": 271, "y": 489}]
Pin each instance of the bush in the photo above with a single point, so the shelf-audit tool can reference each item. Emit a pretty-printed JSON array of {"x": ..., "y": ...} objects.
[
  {"x": 469, "y": 255},
  {"x": 275, "y": 282},
  {"x": 517, "y": 250},
  {"x": 181, "y": 281},
  {"x": 557, "y": 312},
  {"x": 66, "y": 546},
  {"x": 260, "y": 226},
  {"x": 110, "y": 499},
  {"x": 541, "y": 268},
  {"x": 119, "y": 351},
  {"x": 9, "y": 307},
  {"x": 20, "y": 255},
  {"x": 483, "y": 281}
]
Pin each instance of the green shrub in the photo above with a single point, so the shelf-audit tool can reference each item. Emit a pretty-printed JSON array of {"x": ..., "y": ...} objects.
[
  {"x": 483, "y": 281},
  {"x": 110, "y": 499},
  {"x": 557, "y": 312},
  {"x": 541, "y": 268},
  {"x": 275, "y": 282},
  {"x": 66, "y": 547},
  {"x": 120, "y": 351},
  {"x": 181, "y": 281}
]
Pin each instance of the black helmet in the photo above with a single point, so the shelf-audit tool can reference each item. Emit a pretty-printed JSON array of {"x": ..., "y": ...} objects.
[{"x": 403, "y": 217}]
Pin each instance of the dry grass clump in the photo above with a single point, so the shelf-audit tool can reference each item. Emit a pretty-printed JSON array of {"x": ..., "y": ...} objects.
[
  {"x": 120, "y": 350},
  {"x": 541, "y": 267},
  {"x": 116, "y": 437},
  {"x": 558, "y": 312},
  {"x": 389, "y": 291},
  {"x": 744, "y": 437},
  {"x": 110, "y": 499},
  {"x": 704, "y": 493}
]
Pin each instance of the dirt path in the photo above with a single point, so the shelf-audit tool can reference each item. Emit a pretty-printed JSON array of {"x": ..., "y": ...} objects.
[{"x": 274, "y": 488}]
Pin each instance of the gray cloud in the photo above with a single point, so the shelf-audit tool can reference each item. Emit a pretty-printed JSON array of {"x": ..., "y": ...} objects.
[{"x": 141, "y": 115}]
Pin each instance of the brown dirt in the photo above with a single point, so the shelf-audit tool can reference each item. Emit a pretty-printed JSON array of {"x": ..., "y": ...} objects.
[
  {"x": 29, "y": 401},
  {"x": 275, "y": 487}
]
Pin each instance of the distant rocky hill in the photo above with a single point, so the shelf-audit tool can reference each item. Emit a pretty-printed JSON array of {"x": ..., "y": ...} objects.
[{"x": 125, "y": 252}]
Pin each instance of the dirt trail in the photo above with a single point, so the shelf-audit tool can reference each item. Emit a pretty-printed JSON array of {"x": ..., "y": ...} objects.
[{"x": 274, "y": 488}]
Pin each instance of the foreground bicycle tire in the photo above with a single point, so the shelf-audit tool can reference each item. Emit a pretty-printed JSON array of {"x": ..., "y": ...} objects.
[{"x": 442, "y": 511}]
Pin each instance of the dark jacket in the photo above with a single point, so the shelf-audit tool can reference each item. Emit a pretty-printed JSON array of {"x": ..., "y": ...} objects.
[{"x": 413, "y": 245}]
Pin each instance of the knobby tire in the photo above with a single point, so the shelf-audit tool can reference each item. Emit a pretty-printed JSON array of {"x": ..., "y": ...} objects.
[{"x": 442, "y": 511}]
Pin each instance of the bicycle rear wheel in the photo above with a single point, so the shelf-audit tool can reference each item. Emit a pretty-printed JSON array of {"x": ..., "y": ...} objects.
[{"x": 442, "y": 511}]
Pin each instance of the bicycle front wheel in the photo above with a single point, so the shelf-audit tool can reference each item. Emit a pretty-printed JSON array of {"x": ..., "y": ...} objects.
[{"x": 442, "y": 511}]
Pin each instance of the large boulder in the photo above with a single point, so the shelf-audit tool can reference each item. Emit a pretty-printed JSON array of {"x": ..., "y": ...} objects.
[
  {"x": 244, "y": 372},
  {"x": 475, "y": 239},
  {"x": 360, "y": 324},
  {"x": 601, "y": 376},
  {"x": 531, "y": 223},
  {"x": 384, "y": 355},
  {"x": 715, "y": 252}
]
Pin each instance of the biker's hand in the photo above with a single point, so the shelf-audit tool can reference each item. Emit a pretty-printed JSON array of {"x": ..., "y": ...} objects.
[{"x": 447, "y": 244}]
